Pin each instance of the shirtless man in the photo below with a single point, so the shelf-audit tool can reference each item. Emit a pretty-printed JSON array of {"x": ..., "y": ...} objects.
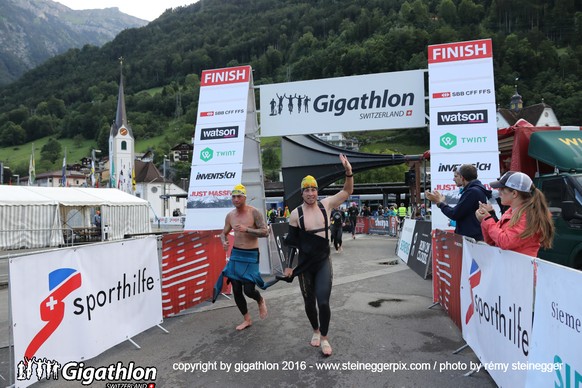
[
  {"x": 308, "y": 231},
  {"x": 243, "y": 267}
]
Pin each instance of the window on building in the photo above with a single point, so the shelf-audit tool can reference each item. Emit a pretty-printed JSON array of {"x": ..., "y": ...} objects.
[{"x": 124, "y": 145}]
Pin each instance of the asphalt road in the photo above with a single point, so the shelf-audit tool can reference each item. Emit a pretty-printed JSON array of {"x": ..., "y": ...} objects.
[{"x": 380, "y": 322}]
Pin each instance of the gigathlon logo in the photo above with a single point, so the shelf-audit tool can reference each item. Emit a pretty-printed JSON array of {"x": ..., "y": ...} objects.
[{"x": 297, "y": 103}]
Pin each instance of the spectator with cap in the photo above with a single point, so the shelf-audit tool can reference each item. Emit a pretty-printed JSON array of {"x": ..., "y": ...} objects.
[
  {"x": 527, "y": 224},
  {"x": 473, "y": 193}
]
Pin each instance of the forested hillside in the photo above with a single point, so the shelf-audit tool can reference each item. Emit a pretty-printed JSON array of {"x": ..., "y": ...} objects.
[
  {"x": 31, "y": 31},
  {"x": 537, "y": 42}
]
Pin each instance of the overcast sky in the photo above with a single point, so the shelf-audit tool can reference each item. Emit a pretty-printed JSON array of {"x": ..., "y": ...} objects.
[{"x": 143, "y": 9}]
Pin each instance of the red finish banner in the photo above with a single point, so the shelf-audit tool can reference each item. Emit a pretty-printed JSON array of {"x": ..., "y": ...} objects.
[
  {"x": 447, "y": 259},
  {"x": 230, "y": 75},
  {"x": 191, "y": 264},
  {"x": 460, "y": 51}
]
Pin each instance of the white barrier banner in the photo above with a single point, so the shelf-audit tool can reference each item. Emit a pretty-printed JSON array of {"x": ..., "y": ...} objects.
[
  {"x": 405, "y": 241},
  {"x": 496, "y": 310},
  {"x": 356, "y": 103},
  {"x": 556, "y": 356},
  {"x": 73, "y": 304}
]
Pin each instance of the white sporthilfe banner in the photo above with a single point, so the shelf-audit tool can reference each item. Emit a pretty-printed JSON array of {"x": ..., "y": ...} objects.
[
  {"x": 405, "y": 241},
  {"x": 356, "y": 103},
  {"x": 496, "y": 309},
  {"x": 73, "y": 304},
  {"x": 555, "y": 357},
  {"x": 217, "y": 163},
  {"x": 463, "y": 124}
]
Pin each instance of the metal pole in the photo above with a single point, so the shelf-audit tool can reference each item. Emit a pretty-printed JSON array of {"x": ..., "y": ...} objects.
[{"x": 165, "y": 203}]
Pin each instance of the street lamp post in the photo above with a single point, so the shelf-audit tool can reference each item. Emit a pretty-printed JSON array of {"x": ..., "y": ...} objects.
[
  {"x": 165, "y": 188},
  {"x": 93, "y": 168}
]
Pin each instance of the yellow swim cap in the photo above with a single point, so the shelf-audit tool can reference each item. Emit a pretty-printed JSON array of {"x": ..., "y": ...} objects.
[
  {"x": 239, "y": 190},
  {"x": 308, "y": 181}
]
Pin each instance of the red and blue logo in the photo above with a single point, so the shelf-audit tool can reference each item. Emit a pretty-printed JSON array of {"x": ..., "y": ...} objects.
[
  {"x": 62, "y": 282},
  {"x": 474, "y": 280}
]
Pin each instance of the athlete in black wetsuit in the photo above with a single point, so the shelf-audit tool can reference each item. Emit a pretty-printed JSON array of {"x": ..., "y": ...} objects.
[
  {"x": 337, "y": 223},
  {"x": 309, "y": 233}
]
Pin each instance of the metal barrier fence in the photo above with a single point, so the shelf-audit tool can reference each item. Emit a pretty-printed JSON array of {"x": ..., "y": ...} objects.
[{"x": 21, "y": 239}]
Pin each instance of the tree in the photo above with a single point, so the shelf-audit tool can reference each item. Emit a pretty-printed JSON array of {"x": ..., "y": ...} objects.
[
  {"x": 12, "y": 134},
  {"x": 447, "y": 11},
  {"x": 270, "y": 159},
  {"x": 51, "y": 151}
]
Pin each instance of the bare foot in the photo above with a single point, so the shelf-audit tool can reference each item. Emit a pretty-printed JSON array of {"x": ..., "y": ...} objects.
[
  {"x": 315, "y": 339},
  {"x": 244, "y": 325},
  {"x": 325, "y": 348},
  {"x": 262, "y": 309}
]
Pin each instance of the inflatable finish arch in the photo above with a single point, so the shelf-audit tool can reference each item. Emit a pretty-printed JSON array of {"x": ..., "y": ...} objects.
[{"x": 307, "y": 155}]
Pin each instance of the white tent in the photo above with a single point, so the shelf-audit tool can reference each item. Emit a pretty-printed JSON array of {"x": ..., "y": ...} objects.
[{"x": 35, "y": 217}]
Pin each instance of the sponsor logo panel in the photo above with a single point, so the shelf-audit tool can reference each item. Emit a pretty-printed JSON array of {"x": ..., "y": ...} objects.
[
  {"x": 477, "y": 91},
  {"x": 219, "y": 133},
  {"x": 218, "y": 153},
  {"x": 462, "y": 117},
  {"x": 443, "y": 165},
  {"x": 216, "y": 113},
  {"x": 464, "y": 139},
  {"x": 228, "y": 133},
  {"x": 203, "y": 176}
]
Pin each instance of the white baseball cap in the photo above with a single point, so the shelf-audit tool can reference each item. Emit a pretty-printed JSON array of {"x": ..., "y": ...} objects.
[{"x": 514, "y": 180}]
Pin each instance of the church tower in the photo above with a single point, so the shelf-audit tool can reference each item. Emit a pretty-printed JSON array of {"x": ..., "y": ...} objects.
[{"x": 121, "y": 146}]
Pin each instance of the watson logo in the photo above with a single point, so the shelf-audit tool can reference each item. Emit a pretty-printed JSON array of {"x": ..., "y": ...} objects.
[
  {"x": 219, "y": 133},
  {"x": 62, "y": 282},
  {"x": 474, "y": 280},
  {"x": 462, "y": 117}
]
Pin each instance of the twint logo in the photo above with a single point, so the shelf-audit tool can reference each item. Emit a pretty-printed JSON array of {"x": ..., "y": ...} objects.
[
  {"x": 460, "y": 51},
  {"x": 218, "y": 133},
  {"x": 462, "y": 117},
  {"x": 225, "y": 76},
  {"x": 476, "y": 139},
  {"x": 448, "y": 141},
  {"x": 206, "y": 154}
]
